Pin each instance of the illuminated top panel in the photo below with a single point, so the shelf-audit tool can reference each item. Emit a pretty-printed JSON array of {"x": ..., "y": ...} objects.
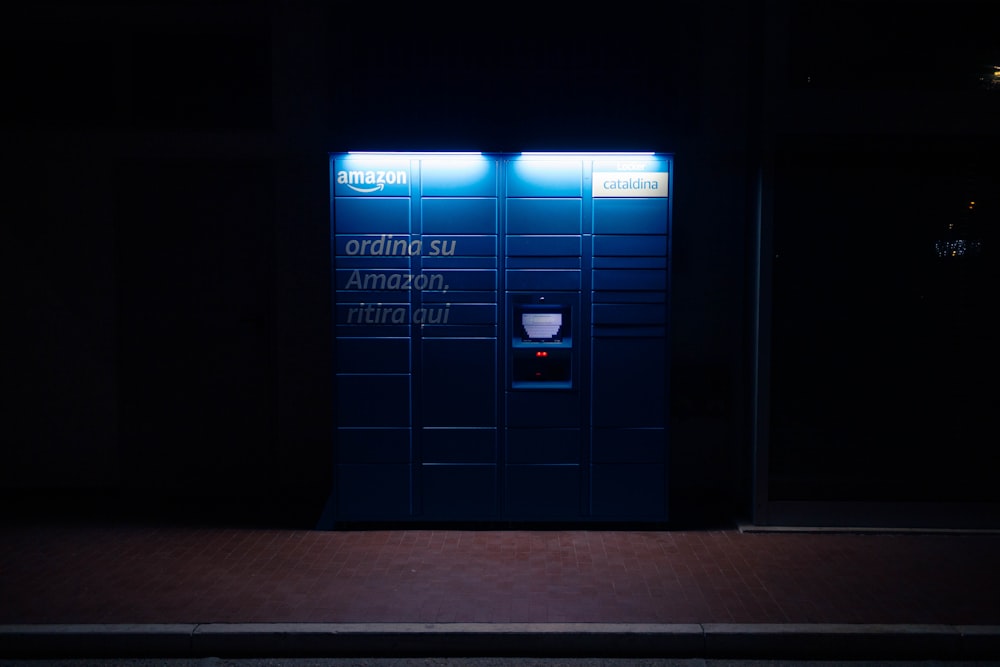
[{"x": 559, "y": 174}]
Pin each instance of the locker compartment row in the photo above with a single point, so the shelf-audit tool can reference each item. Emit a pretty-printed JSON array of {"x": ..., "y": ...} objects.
[
  {"x": 393, "y": 215},
  {"x": 402, "y": 247},
  {"x": 359, "y": 273},
  {"x": 634, "y": 492},
  {"x": 349, "y": 283},
  {"x": 350, "y": 280},
  {"x": 398, "y": 250},
  {"x": 627, "y": 313},
  {"x": 613, "y": 217},
  {"x": 544, "y": 446},
  {"x": 628, "y": 389},
  {"x": 352, "y": 298},
  {"x": 428, "y": 331},
  {"x": 541, "y": 215},
  {"x": 416, "y": 264},
  {"x": 629, "y": 382},
  {"x": 459, "y": 384},
  {"x": 617, "y": 491},
  {"x": 452, "y": 316},
  {"x": 549, "y": 279},
  {"x": 431, "y": 312},
  {"x": 626, "y": 404},
  {"x": 479, "y": 445},
  {"x": 391, "y": 354},
  {"x": 447, "y": 400}
]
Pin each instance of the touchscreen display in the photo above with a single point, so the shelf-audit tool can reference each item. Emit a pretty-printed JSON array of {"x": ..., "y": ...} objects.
[{"x": 541, "y": 326}]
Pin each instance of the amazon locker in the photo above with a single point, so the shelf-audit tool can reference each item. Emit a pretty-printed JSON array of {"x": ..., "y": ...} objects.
[{"x": 500, "y": 336}]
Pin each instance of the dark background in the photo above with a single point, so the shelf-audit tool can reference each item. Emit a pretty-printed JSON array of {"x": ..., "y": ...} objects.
[{"x": 166, "y": 218}]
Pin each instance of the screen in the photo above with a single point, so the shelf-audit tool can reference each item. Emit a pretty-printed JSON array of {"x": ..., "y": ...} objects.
[{"x": 542, "y": 326}]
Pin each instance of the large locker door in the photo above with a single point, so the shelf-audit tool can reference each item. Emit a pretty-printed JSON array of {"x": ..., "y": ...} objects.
[
  {"x": 545, "y": 442},
  {"x": 458, "y": 372},
  {"x": 629, "y": 358},
  {"x": 373, "y": 362}
]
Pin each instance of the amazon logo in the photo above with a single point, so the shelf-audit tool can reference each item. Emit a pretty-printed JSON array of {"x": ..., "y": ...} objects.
[{"x": 370, "y": 180}]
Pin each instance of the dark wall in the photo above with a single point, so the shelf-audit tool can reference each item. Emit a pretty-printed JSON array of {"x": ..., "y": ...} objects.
[
  {"x": 884, "y": 346},
  {"x": 169, "y": 287},
  {"x": 880, "y": 259},
  {"x": 169, "y": 294}
]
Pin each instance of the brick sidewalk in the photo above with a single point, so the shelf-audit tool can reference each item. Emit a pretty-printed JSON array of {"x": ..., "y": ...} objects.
[{"x": 134, "y": 573}]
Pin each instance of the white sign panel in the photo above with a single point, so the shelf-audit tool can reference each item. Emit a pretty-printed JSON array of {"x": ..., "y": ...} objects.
[{"x": 630, "y": 184}]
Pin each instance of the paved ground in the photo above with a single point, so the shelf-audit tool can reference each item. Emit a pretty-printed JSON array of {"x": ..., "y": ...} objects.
[
  {"x": 136, "y": 573},
  {"x": 612, "y": 588}
]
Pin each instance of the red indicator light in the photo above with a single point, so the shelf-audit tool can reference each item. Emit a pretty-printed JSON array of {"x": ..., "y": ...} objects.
[{"x": 541, "y": 353}]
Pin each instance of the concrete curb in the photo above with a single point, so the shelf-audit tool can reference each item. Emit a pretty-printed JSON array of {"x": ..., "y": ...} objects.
[
  {"x": 711, "y": 640},
  {"x": 834, "y": 641}
]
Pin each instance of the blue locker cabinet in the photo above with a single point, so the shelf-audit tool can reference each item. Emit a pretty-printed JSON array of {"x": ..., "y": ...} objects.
[{"x": 500, "y": 337}]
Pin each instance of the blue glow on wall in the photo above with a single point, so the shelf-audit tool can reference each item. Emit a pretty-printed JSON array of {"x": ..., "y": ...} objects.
[{"x": 500, "y": 336}]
